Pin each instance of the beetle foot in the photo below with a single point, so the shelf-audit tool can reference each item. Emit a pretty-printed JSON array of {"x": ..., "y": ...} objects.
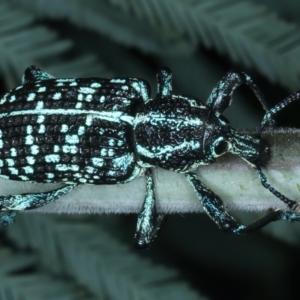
[{"x": 7, "y": 217}]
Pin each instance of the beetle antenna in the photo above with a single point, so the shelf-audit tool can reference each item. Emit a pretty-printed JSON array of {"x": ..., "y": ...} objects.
[
  {"x": 269, "y": 115},
  {"x": 292, "y": 205}
]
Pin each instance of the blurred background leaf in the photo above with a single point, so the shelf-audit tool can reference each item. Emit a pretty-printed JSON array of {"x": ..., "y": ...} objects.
[{"x": 85, "y": 258}]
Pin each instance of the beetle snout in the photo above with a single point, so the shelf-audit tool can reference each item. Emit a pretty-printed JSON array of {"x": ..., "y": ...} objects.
[
  {"x": 252, "y": 149},
  {"x": 257, "y": 153}
]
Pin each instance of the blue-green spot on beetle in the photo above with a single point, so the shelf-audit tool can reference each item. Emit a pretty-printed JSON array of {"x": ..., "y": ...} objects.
[{"x": 109, "y": 131}]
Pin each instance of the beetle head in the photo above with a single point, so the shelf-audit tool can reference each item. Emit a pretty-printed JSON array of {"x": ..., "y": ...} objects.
[{"x": 220, "y": 138}]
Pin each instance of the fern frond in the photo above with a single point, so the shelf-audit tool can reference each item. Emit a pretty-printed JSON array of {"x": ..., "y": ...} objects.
[
  {"x": 22, "y": 43},
  {"x": 82, "y": 66},
  {"x": 96, "y": 260},
  {"x": 104, "y": 18},
  {"x": 245, "y": 31},
  {"x": 39, "y": 286},
  {"x": 14, "y": 262},
  {"x": 17, "y": 282}
]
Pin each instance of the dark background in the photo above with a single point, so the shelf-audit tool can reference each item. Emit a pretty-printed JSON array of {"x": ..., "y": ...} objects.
[{"x": 92, "y": 257}]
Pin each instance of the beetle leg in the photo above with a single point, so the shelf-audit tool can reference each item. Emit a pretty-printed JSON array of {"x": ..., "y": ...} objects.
[
  {"x": 149, "y": 223},
  {"x": 287, "y": 215},
  {"x": 271, "y": 216},
  {"x": 7, "y": 217},
  {"x": 221, "y": 96},
  {"x": 164, "y": 81},
  {"x": 292, "y": 205},
  {"x": 10, "y": 204},
  {"x": 213, "y": 205}
]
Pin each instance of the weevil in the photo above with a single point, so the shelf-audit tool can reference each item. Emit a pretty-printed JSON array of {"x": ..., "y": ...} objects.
[{"x": 109, "y": 131}]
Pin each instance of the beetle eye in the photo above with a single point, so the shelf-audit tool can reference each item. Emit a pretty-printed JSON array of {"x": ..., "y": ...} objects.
[{"x": 221, "y": 147}]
